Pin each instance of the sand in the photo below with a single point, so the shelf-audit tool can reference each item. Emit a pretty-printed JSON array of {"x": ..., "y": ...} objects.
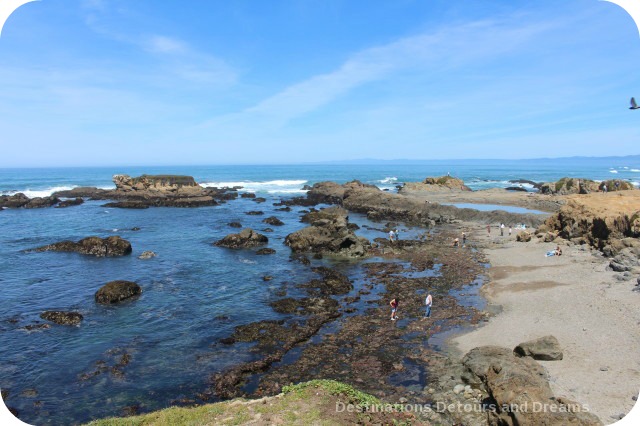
[{"x": 573, "y": 297}]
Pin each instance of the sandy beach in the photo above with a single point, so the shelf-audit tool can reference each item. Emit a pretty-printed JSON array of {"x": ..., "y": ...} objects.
[{"x": 573, "y": 297}]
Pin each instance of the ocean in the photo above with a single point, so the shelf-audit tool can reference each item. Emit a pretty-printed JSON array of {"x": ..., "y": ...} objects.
[{"x": 194, "y": 293}]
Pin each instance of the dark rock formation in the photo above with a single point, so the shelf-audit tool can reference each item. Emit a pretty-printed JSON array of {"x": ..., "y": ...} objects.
[
  {"x": 332, "y": 283},
  {"x": 516, "y": 188},
  {"x": 329, "y": 233},
  {"x": 265, "y": 251},
  {"x": 545, "y": 348},
  {"x": 20, "y": 200},
  {"x": 272, "y": 220},
  {"x": 523, "y": 236},
  {"x": 521, "y": 382},
  {"x": 62, "y": 318},
  {"x": 248, "y": 195},
  {"x": 40, "y": 202},
  {"x": 83, "y": 192},
  {"x": 68, "y": 203},
  {"x": 306, "y": 306},
  {"x": 259, "y": 199},
  {"x": 235, "y": 225},
  {"x": 116, "y": 291},
  {"x": 94, "y": 246},
  {"x": 254, "y": 213},
  {"x": 246, "y": 238}
]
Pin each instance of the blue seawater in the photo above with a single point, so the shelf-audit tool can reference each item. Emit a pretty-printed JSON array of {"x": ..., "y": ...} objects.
[{"x": 194, "y": 293}]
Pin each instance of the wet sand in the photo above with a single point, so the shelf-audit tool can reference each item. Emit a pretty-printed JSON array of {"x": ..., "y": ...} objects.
[{"x": 573, "y": 297}]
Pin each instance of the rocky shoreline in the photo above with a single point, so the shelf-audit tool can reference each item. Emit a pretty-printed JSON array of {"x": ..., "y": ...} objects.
[{"x": 338, "y": 331}]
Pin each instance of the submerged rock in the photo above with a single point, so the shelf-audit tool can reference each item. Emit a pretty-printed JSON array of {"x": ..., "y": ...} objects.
[
  {"x": 247, "y": 238},
  {"x": 94, "y": 246},
  {"x": 264, "y": 251},
  {"x": 62, "y": 318},
  {"x": 545, "y": 348},
  {"x": 67, "y": 203},
  {"x": 147, "y": 255},
  {"x": 235, "y": 225},
  {"x": 116, "y": 291}
]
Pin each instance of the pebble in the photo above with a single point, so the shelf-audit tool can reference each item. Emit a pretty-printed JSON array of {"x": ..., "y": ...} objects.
[
  {"x": 431, "y": 391},
  {"x": 604, "y": 369},
  {"x": 458, "y": 388},
  {"x": 403, "y": 400},
  {"x": 635, "y": 398}
]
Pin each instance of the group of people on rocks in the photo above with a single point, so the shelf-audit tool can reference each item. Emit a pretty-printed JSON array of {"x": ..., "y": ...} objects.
[{"x": 395, "y": 302}]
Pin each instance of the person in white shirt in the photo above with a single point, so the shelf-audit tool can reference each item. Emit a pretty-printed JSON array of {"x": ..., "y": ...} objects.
[{"x": 428, "y": 301}]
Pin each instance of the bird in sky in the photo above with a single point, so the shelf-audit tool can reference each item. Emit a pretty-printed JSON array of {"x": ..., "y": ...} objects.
[{"x": 634, "y": 105}]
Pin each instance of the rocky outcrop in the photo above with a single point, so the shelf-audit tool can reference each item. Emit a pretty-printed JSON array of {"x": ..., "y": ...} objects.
[
  {"x": 329, "y": 233},
  {"x": 154, "y": 191},
  {"x": 62, "y": 317},
  {"x": 20, "y": 200},
  {"x": 127, "y": 183},
  {"x": 545, "y": 348},
  {"x": 272, "y": 220},
  {"x": 568, "y": 185},
  {"x": 598, "y": 222},
  {"x": 380, "y": 205},
  {"x": 245, "y": 239},
  {"x": 436, "y": 184},
  {"x": 332, "y": 283},
  {"x": 306, "y": 306},
  {"x": 117, "y": 291},
  {"x": 523, "y": 237},
  {"x": 93, "y": 246},
  {"x": 519, "y": 390}
]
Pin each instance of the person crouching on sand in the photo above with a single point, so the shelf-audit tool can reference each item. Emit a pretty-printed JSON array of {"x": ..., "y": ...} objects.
[
  {"x": 456, "y": 242},
  {"x": 394, "y": 308}
]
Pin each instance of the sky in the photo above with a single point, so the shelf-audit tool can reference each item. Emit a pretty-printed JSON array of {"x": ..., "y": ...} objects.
[{"x": 144, "y": 82}]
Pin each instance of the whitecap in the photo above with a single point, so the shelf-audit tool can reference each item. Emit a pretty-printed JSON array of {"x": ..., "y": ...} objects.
[
  {"x": 271, "y": 186},
  {"x": 635, "y": 170},
  {"x": 613, "y": 171},
  {"x": 391, "y": 179},
  {"x": 32, "y": 193},
  {"x": 247, "y": 261}
]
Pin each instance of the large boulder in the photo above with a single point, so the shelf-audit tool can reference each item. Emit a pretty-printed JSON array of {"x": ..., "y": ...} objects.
[
  {"x": 523, "y": 236},
  {"x": 329, "y": 233},
  {"x": 93, "y": 246},
  {"x": 437, "y": 184},
  {"x": 13, "y": 201},
  {"x": 520, "y": 391},
  {"x": 117, "y": 291},
  {"x": 246, "y": 238},
  {"x": 62, "y": 317},
  {"x": 545, "y": 348}
]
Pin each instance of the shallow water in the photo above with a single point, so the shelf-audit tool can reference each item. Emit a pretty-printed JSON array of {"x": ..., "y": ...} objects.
[{"x": 491, "y": 207}]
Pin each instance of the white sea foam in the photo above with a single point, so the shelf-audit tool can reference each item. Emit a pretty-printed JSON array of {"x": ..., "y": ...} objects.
[
  {"x": 613, "y": 171},
  {"x": 391, "y": 179},
  {"x": 271, "y": 186},
  {"x": 32, "y": 193},
  {"x": 635, "y": 170}
]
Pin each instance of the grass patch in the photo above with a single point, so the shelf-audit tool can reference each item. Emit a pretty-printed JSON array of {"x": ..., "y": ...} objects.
[{"x": 334, "y": 388}]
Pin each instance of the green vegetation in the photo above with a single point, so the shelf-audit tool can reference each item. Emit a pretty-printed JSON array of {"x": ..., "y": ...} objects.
[
  {"x": 335, "y": 388},
  {"x": 306, "y": 403}
]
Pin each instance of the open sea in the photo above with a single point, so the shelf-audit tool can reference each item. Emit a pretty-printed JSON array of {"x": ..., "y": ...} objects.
[{"x": 194, "y": 293}]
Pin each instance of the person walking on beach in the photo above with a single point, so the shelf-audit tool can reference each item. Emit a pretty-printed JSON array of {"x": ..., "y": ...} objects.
[
  {"x": 428, "y": 301},
  {"x": 394, "y": 308},
  {"x": 488, "y": 229},
  {"x": 464, "y": 239},
  {"x": 391, "y": 236},
  {"x": 395, "y": 234},
  {"x": 509, "y": 230},
  {"x": 502, "y": 229}
]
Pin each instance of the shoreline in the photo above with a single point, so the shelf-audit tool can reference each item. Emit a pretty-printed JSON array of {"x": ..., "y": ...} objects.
[{"x": 573, "y": 297}]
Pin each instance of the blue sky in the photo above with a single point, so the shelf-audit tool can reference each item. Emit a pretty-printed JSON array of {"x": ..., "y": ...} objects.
[{"x": 145, "y": 82}]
